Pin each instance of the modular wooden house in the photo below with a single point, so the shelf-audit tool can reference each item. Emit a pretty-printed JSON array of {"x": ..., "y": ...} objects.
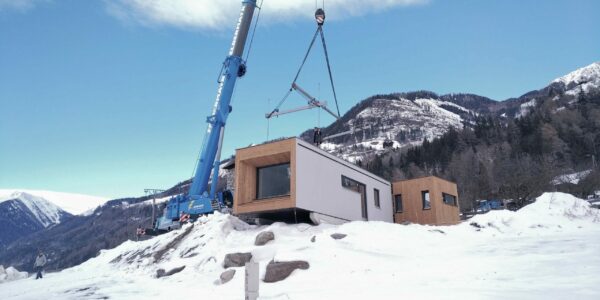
[
  {"x": 292, "y": 179},
  {"x": 427, "y": 200}
]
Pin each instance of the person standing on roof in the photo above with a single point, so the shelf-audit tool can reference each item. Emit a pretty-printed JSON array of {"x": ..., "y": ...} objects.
[
  {"x": 40, "y": 262},
  {"x": 317, "y": 138}
]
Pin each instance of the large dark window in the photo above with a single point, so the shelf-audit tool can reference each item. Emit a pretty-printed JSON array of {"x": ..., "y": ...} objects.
[
  {"x": 426, "y": 200},
  {"x": 360, "y": 188},
  {"x": 273, "y": 181},
  {"x": 398, "y": 203},
  {"x": 449, "y": 199},
  {"x": 376, "y": 198}
]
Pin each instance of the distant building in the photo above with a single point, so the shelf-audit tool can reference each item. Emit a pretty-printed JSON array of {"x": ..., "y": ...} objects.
[{"x": 426, "y": 200}]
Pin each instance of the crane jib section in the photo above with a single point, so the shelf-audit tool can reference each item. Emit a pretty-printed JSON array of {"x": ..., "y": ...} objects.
[{"x": 233, "y": 67}]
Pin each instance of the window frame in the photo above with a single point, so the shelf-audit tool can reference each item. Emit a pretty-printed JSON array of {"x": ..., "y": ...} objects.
[
  {"x": 423, "y": 199},
  {"x": 258, "y": 182},
  {"x": 444, "y": 199},
  {"x": 364, "y": 194},
  {"x": 396, "y": 204},
  {"x": 376, "y": 199}
]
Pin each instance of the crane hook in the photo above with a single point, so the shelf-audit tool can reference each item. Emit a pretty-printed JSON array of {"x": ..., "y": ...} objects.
[{"x": 320, "y": 16}]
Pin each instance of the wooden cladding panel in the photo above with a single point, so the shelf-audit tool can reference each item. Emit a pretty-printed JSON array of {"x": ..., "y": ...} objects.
[
  {"x": 247, "y": 160},
  {"x": 439, "y": 213},
  {"x": 446, "y": 214}
]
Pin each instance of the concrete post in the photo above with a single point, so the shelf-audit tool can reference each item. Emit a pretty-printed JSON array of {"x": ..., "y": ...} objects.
[{"x": 252, "y": 280}]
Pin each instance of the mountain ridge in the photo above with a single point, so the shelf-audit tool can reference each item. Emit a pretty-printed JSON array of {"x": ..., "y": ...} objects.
[{"x": 24, "y": 214}]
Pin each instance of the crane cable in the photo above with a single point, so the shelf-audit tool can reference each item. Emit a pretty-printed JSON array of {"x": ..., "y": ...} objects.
[
  {"x": 254, "y": 31},
  {"x": 329, "y": 70},
  {"x": 312, "y": 42}
]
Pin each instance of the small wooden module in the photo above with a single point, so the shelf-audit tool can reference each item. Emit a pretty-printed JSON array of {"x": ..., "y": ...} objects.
[
  {"x": 247, "y": 163},
  {"x": 427, "y": 200}
]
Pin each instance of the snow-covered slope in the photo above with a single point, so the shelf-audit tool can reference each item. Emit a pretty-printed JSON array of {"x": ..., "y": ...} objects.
[
  {"x": 45, "y": 212},
  {"x": 581, "y": 80},
  {"x": 401, "y": 120},
  {"x": 22, "y": 214},
  {"x": 72, "y": 203},
  {"x": 572, "y": 178},
  {"x": 586, "y": 74},
  {"x": 547, "y": 250}
]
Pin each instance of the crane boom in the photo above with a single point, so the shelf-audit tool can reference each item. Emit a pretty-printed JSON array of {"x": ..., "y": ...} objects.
[
  {"x": 199, "y": 200},
  {"x": 233, "y": 67}
]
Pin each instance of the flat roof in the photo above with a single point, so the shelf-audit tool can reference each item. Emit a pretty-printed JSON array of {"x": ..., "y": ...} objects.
[
  {"x": 320, "y": 151},
  {"x": 267, "y": 142},
  {"x": 424, "y": 177},
  {"x": 341, "y": 161}
]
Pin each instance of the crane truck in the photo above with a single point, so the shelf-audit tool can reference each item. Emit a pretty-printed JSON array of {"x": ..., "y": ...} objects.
[{"x": 202, "y": 198}]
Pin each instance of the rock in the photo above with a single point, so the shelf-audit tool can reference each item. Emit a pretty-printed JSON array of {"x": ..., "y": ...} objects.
[
  {"x": 161, "y": 272},
  {"x": 475, "y": 225},
  {"x": 277, "y": 271},
  {"x": 313, "y": 239},
  {"x": 263, "y": 238},
  {"x": 227, "y": 276},
  {"x": 236, "y": 259},
  {"x": 338, "y": 236}
]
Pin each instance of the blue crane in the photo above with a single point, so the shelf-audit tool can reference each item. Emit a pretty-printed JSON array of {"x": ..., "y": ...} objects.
[{"x": 200, "y": 199}]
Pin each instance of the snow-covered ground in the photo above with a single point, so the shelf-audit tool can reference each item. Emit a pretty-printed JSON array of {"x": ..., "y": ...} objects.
[
  {"x": 573, "y": 178},
  {"x": 525, "y": 108},
  {"x": 72, "y": 203},
  {"x": 10, "y": 274},
  {"x": 547, "y": 250}
]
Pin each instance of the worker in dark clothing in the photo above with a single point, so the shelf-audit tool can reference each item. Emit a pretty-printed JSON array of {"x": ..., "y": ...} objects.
[
  {"x": 317, "y": 138},
  {"x": 40, "y": 262}
]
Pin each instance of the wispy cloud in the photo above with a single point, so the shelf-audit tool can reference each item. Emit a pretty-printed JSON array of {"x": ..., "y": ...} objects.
[
  {"x": 215, "y": 14},
  {"x": 20, "y": 5}
]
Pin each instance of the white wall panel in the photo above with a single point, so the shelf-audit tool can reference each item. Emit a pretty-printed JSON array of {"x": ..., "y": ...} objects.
[{"x": 319, "y": 186}]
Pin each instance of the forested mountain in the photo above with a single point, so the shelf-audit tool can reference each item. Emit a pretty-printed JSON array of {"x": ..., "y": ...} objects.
[
  {"x": 384, "y": 122},
  {"x": 516, "y": 150}
]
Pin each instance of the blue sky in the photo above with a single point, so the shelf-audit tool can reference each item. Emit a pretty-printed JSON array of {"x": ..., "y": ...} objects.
[{"x": 110, "y": 97}]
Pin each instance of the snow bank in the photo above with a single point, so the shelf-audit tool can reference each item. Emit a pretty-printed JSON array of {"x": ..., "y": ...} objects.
[
  {"x": 10, "y": 274},
  {"x": 510, "y": 255},
  {"x": 550, "y": 211}
]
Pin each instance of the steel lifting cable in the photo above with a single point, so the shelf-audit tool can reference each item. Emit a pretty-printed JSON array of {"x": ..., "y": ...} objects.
[
  {"x": 312, "y": 42},
  {"x": 329, "y": 70},
  {"x": 254, "y": 31}
]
